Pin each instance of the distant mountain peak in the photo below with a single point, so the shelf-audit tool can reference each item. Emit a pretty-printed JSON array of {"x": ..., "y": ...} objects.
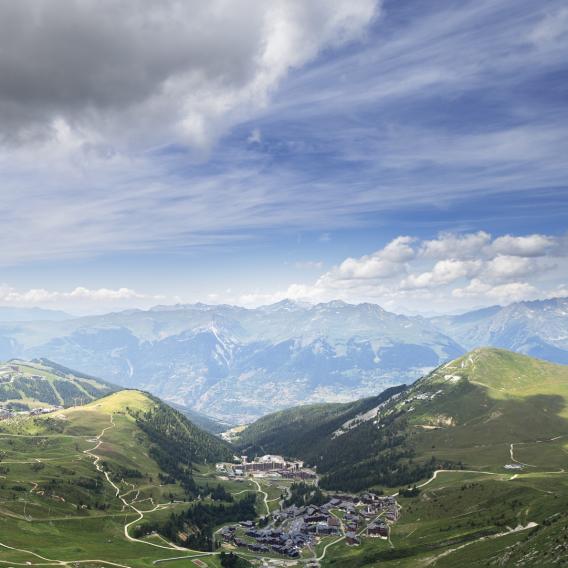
[{"x": 287, "y": 304}]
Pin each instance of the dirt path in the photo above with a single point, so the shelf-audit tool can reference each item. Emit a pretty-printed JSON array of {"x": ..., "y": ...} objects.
[
  {"x": 139, "y": 512},
  {"x": 324, "y": 551},
  {"x": 483, "y": 538},
  {"x": 264, "y": 494},
  {"x": 513, "y": 459},
  {"x": 127, "y": 505}
]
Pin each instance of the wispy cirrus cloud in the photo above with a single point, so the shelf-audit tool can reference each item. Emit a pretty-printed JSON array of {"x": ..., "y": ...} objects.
[{"x": 325, "y": 117}]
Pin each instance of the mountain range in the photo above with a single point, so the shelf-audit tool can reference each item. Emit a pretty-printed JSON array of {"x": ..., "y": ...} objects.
[
  {"x": 237, "y": 364},
  {"x": 538, "y": 328}
]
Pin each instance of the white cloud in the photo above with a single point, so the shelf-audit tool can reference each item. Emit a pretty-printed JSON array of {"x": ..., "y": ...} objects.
[
  {"x": 384, "y": 263},
  {"x": 444, "y": 272},
  {"x": 503, "y": 293},
  {"x": 456, "y": 245},
  {"x": 504, "y": 267},
  {"x": 80, "y": 299},
  {"x": 406, "y": 275},
  {"x": 526, "y": 246},
  {"x": 473, "y": 274}
]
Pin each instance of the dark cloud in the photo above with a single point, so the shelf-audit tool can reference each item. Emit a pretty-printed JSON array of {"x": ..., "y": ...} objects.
[{"x": 176, "y": 63}]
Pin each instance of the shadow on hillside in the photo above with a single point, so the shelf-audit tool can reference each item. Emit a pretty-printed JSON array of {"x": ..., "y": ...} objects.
[{"x": 486, "y": 427}]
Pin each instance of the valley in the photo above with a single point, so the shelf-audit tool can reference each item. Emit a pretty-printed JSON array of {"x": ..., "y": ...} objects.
[
  {"x": 236, "y": 364},
  {"x": 211, "y": 357},
  {"x": 283, "y": 284},
  {"x": 123, "y": 480}
]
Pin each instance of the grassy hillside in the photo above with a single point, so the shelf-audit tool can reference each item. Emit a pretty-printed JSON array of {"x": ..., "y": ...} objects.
[
  {"x": 75, "y": 484},
  {"x": 466, "y": 413},
  {"x": 471, "y": 519},
  {"x": 93, "y": 483},
  {"x": 473, "y": 408},
  {"x": 288, "y": 431},
  {"x": 451, "y": 434},
  {"x": 41, "y": 383}
]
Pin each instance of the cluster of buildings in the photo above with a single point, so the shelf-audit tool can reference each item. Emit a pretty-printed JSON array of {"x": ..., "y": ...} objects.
[
  {"x": 10, "y": 373},
  {"x": 6, "y": 413},
  {"x": 266, "y": 466},
  {"x": 46, "y": 410},
  {"x": 287, "y": 543},
  {"x": 293, "y": 528}
]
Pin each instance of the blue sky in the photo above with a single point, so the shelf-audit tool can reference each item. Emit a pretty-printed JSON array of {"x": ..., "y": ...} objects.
[{"x": 281, "y": 153}]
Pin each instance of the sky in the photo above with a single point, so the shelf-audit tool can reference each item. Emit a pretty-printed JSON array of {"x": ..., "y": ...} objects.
[{"x": 407, "y": 153}]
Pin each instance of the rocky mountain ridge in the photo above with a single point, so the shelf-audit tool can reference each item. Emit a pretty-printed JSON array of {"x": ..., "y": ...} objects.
[{"x": 237, "y": 364}]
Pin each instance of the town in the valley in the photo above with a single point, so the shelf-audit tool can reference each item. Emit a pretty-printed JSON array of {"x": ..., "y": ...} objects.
[{"x": 295, "y": 531}]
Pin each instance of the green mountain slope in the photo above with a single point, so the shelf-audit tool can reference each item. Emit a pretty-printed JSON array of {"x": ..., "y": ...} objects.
[
  {"x": 205, "y": 422},
  {"x": 466, "y": 413},
  {"x": 489, "y": 397},
  {"x": 451, "y": 434},
  {"x": 41, "y": 383},
  {"x": 76, "y": 484},
  {"x": 308, "y": 431}
]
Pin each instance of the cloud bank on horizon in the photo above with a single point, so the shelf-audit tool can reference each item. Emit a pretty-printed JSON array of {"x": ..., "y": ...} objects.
[
  {"x": 444, "y": 274},
  {"x": 201, "y": 131}
]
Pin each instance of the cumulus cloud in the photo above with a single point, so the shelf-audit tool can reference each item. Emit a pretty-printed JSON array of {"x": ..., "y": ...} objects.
[
  {"x": 526, "y": 246},
  {"x": 456, "y": 245},
  {"x": 156, "y": 71},
  {"x": 453, "y": 271},
  {"x": 384, "y": 263},
  {"x": 406, "y": 275},
  {"x": 481, "y": 244},
  {"x": 506, "y": 267},
  {"x": 503, "y": 293},
  {"x": 444, "y": 272}
]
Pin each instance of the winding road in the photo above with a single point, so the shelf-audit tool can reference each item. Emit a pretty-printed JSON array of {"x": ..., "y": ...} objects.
[{"x": 91, "y": 452}]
